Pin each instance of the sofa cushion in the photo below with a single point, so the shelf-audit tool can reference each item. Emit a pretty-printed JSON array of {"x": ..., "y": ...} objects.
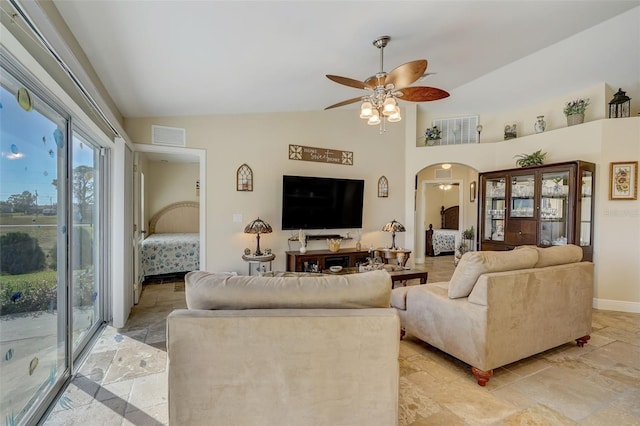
[
  {"x": 556, "y": 255},
  {"x": 204, "y": 290},
  {"x": 475, "y": 263}
]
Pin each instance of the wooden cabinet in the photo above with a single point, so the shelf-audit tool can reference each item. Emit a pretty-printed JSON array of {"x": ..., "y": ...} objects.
[
  {"x": 319, "y": 260},
  {"x": 543, "y": 205}
]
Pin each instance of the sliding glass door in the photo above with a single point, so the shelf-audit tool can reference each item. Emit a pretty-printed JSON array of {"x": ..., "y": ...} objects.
[{"x": 51, "y": 250}]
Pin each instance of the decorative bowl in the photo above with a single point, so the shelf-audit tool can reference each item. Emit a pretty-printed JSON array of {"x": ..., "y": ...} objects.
[{"x": 335, "y": 268}]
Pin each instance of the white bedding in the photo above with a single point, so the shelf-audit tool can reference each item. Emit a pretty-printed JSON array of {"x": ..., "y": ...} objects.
[
  {"x": 170, "y": 253},
  {"x": 444, "y": 240}
]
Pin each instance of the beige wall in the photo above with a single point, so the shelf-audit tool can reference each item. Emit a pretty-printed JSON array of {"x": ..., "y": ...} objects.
[
  {"x": 262, "y": 141},
  {"x": 168, "y": 183}
]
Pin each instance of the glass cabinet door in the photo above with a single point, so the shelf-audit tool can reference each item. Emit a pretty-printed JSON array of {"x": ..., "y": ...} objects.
[
  {"x": 522, "y": 191},
  {"x": 584, "y": 224},
  {"x": 553, "y": 208},
  {"x": 494, "y": 206}
]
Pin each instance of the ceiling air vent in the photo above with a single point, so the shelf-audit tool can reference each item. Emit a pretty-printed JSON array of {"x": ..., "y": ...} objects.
[
  {"x": 443, "y": 174},
  {"x": 168, "y": 136}
]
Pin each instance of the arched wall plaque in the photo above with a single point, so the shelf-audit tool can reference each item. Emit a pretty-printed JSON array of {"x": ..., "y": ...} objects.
[
  {"x": 383, "y": 187},
  {"x": 244, "y": 178}
]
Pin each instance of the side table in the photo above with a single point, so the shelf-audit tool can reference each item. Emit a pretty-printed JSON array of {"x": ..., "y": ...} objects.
[
  {"x": 258, "y": 262},
  {"x": 397, "y": 255}
]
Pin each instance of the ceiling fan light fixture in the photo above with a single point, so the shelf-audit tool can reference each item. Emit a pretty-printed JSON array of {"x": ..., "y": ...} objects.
[
  {"x": 374, "y": 119},
  {"x": 366, "y": 110},
  {"x": 395, "y": 117},
  {"x": 389, "y": 106}
]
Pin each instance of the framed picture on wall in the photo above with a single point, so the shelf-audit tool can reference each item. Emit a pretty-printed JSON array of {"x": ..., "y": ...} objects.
[
  {"x": 623, "y": 180},
  {"x": 472, "y": 192}
]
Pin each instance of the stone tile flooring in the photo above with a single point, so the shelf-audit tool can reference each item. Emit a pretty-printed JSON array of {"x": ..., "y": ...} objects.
[{"x": 124, "y": 382}]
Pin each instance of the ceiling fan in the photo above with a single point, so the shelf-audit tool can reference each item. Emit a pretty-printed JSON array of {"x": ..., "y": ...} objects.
[{"x": 380, "y": 104}]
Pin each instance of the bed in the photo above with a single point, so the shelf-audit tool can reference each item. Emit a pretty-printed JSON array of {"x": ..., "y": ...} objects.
[
  {"x": 443, "y": 240},
  {"x": 173, "y": 244}
]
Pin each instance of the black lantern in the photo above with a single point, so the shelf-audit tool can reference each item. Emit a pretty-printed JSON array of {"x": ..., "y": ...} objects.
[{"x": 620, "y": 105}]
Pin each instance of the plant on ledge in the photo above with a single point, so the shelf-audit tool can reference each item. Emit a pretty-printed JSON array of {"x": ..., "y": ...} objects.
[
  {"x": 534, "y": 159},
  {"x": 432, "y": 134},
  {"x": 467, "y": 234},
  {"x": 579, "y": 106}
]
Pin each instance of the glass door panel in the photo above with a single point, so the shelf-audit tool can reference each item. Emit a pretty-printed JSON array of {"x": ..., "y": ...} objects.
[
  {"x": 584, "y": 230},
  {"x": 494, "y": 205},
  {"x": 553, "y": 208},
  {"x": 33, "y": 234},
  {"x": 85, "y": 240},
  {"x": 522, "y": 191}
]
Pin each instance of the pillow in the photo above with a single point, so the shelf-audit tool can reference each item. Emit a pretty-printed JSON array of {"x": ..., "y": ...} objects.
[
  {"x": 204, "y": 290},
  {"x": 475, "y": 263},
  {"x": 556, "y": 255}
]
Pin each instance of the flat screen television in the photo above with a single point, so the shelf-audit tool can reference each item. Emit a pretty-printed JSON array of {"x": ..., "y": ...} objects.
[{"x": 321, "y": 203}]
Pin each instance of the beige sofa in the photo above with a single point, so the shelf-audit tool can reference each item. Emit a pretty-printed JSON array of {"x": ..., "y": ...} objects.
[
  {"x": 500, "y": 307},
  {"x": 299, "y": 350}
]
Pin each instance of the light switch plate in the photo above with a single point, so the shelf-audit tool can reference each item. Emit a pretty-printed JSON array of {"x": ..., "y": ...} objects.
[{"x": 237, "y": 218}]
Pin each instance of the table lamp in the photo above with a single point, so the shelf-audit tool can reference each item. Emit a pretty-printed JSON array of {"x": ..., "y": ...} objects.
[
  {"x": 393, "y": 227},
  {"x": 258, "y": 227}
]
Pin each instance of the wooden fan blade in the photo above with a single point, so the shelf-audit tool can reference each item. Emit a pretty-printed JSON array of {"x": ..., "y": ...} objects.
[
  {"x": 406, "y": 74},
  {"x": 349, "y": 82},
  {"x": 421, "y": 94},
  {"x": 343, "y": 103}
]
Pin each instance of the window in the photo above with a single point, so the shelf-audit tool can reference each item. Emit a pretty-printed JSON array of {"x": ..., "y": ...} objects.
[{"x": 51, "y": 252}]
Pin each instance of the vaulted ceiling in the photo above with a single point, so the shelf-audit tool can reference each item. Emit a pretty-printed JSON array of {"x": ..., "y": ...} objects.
[{"x": 171, "y": 57}]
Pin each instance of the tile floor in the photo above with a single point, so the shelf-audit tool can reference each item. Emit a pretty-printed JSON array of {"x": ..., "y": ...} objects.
[{"x": 124, "y": 382}]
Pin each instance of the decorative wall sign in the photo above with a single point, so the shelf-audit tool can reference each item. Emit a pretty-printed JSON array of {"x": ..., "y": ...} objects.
[
  {"x": 623, "y": 181},
  {"x": 244, "y": 178},
  {"x": 383, "y": 187},
  {"x": 320, "y": 155}
]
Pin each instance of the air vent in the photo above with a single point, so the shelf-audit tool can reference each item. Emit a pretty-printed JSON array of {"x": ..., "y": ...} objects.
[
  {"x": 457, "y": 131},
  {"x": 443, "y": 174},
  {"x": 168, "y": 136}
]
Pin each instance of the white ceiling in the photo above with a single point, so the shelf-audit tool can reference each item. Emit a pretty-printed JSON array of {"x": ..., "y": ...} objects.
[{"x": 172, "y": 57}]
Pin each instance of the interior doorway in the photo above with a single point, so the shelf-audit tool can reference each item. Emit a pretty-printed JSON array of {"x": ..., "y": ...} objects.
[
  {"x": 448, "y": 187},
  {"x": 171, "y": 175}
]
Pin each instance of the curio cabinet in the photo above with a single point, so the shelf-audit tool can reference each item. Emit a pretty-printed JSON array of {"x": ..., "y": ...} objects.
[{"x": 542, "y": 205}]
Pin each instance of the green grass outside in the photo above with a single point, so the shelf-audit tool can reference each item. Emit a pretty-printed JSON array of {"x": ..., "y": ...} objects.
[{"x": 43, "y": 228}]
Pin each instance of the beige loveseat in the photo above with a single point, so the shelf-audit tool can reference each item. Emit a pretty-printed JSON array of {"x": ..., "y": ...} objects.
[
  {"x": 500, "y": 307},
  {"x": 300, "y": 350}
]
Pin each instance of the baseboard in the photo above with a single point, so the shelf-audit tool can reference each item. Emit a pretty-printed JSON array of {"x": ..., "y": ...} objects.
[{"x": 616, "y": 305}]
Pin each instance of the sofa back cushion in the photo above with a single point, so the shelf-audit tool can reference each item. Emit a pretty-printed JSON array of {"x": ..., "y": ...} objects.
[
  {"x": 556, "y": 255},
  {"x": 475, "y": 263},
  {"x": 204, "y": 290}
]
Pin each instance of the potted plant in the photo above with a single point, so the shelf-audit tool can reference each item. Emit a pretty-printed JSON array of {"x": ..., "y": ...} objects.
[
  {"x": 534, "y": 159},
  {"x": 432, "y": 134},
  {"x": 574, "y": 110}
]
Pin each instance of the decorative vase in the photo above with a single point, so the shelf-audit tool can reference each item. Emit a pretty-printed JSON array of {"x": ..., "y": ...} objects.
[
  {"x": 575, "y": 119},
  {"x": 303, "y": 248},
  {"x": 540, "y": 125},
  {"x": 334, "y": 244},
  {"x": 358, "y": 246}
]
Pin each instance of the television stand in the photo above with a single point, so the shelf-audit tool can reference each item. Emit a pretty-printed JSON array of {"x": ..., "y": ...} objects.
[{"x": 319, "y": 260}]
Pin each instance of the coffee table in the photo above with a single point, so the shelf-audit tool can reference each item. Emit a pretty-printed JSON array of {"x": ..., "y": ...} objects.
[{"x": 402, "y": 275}]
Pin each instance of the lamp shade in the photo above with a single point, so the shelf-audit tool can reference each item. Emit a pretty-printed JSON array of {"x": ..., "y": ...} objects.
[
  {"x": 258, "y": 227},
  {"x": 393, "y": 227}
]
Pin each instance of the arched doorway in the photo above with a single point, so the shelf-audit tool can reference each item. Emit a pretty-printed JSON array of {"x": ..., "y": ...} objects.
[{"x": 437, "y": 186}]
